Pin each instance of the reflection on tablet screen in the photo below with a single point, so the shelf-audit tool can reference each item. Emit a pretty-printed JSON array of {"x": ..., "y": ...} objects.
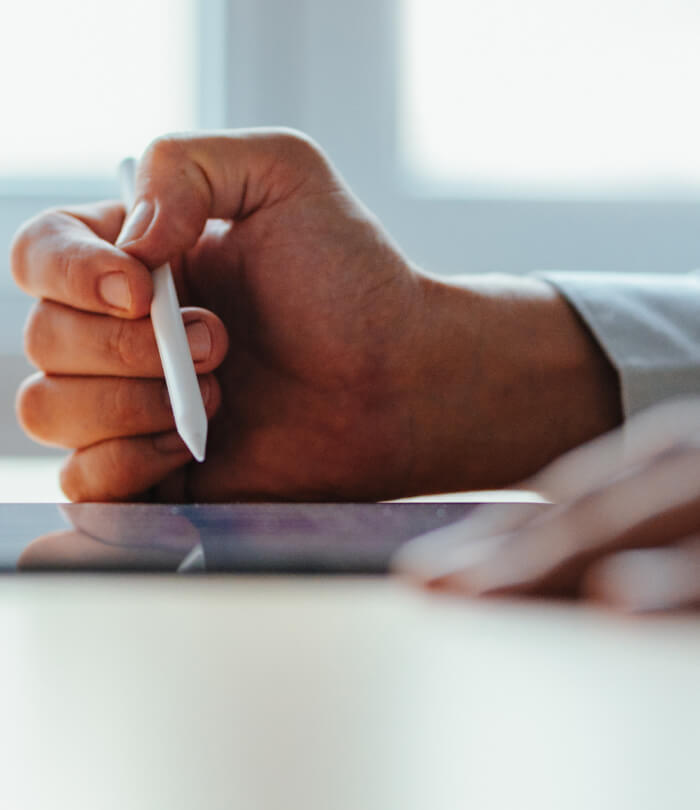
[{"x": 243, "y": 538}]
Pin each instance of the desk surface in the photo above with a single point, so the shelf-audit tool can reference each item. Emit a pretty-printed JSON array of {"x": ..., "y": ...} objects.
[{"x": 158, "y": 692}]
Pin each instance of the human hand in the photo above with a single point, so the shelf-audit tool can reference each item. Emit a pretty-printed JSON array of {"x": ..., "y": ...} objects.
[
  {"x": 350, "y": 374},
  {"x": 272, "y": 255},
  {"x": 624, "y": 530}
]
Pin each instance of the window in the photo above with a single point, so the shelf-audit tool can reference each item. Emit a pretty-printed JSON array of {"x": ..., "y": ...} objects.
[
  {"x": 366, "y": 71},
  {"x": 551, "y": 98},
  {"x": 93, "y": 82}
]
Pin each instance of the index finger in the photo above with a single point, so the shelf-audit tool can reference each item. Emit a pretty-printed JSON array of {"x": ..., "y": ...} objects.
[
  {"x": 183, "y": 180},
  {"x": 67, "y": 256}
]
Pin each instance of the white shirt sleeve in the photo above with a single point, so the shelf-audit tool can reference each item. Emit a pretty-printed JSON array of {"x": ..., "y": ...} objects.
[{"x": 647, "y": 324}]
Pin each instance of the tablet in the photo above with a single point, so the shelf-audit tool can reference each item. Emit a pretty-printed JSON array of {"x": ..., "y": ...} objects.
[{"x": 319, "y": 538}]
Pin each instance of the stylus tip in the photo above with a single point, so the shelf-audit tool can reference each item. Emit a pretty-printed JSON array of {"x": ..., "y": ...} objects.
[{"x": 197, "y": 444}]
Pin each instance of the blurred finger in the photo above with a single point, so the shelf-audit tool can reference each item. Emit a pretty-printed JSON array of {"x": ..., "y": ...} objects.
[
  {"x": 649, "y": 580},
  {"x": 435, "y": 554},
  {"x": 80, "y": 411},
  {"x": 122, "y": 469},
  {"x": 62, "y": 340},
  {"x": 652, "y": 505},
  {"x": 58, "y": 257}
]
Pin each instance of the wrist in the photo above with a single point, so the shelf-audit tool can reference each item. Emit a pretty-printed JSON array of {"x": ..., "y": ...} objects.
[{"x": 506, "y": 377}]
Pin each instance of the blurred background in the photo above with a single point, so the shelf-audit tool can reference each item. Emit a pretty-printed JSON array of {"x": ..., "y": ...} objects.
[{"x": 486, "y": 134}]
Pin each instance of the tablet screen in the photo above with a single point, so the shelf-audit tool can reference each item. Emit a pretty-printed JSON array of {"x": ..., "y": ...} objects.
[{"x": 326, "y": 538}]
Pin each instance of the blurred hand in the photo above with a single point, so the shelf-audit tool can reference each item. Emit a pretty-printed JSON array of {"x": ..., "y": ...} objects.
[
  {"x": 331, "y": 368},
  {"x": 624, "y": 527}
]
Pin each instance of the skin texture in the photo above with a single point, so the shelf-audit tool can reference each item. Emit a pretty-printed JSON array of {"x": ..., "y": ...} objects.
[
  {"x": 331, "y": 367},
  {"x": 624, "y": 530}
]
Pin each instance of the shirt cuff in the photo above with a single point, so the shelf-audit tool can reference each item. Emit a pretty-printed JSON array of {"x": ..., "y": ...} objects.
[{"x": 648, "y": 325}]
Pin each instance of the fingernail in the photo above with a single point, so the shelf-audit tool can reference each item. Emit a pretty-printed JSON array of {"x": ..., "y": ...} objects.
[
  {"x": 169, "y": 443},
  {"x": 199, "y": 338},
  {"x": 114, "y": 290},
  {"x": 136, "y": 224}
]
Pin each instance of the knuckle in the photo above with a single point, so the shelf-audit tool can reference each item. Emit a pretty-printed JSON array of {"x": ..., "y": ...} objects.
[
  {"x": 72, "y": 275},
  {"x": 31, "y": 406},
  {"x": 164, "y": 149},
  {"x": 295, "y": 139},
  {"x": 125, "y": 405},
  {"x": 298, "y": 146},
  {"x": 168, "y": 162},
  {"x": 123, "y": 344}
]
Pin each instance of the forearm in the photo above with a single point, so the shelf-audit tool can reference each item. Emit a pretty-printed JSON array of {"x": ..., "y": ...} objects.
[{"x": 509, "y": 378}]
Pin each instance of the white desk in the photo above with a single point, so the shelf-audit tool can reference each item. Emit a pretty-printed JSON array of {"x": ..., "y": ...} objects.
[{"x": 169, "y": 694}]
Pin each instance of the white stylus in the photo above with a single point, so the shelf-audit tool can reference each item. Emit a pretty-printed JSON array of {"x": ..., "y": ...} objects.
[{"x": 180, "y": 376}]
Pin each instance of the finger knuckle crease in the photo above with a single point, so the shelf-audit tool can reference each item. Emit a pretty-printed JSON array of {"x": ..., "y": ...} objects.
[
  {"x": 71, "y": 274},
  {"x": 126, "y": 407},
  {"x": 122, "y": 345}
]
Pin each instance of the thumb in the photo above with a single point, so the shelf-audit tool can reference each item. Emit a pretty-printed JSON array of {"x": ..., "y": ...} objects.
[{"x": 183, "y": 180}]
